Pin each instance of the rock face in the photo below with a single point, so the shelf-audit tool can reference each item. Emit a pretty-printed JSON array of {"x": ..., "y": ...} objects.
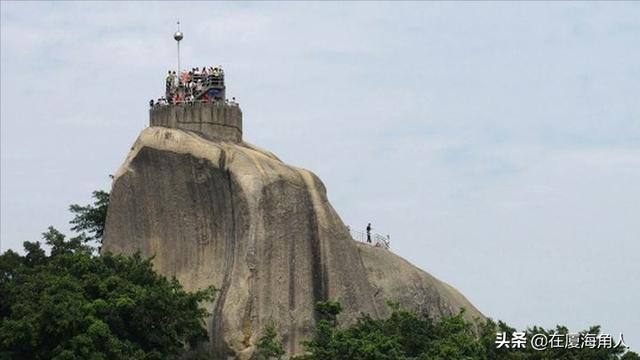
[{"x": 235, "y": 216}]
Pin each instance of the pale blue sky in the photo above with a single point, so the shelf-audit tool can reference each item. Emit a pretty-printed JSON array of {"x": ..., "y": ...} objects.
[{"x": 498, "y": 143}]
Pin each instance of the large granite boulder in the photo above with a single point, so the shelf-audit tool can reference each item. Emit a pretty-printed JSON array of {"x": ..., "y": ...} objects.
[{"x": 234, "y": 216}]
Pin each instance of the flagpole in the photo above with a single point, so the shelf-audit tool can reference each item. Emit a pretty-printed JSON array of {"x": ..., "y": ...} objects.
[{"x": 178, "y": 36}]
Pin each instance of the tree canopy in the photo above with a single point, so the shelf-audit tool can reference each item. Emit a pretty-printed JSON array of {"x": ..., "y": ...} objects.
[
  {"x": 407, "y": 335},
  {"x": 74, "y": 305}
]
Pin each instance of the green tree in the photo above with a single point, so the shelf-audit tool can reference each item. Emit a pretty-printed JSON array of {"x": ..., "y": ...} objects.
[
  {"x": 74, "y": 305},
  {"x": 91, "y": 218},
  {"x": 406, "y": 335},
  {"x": 268, "y": 346}
]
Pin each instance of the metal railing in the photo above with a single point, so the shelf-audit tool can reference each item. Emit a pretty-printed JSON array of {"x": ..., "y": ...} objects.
[
  {"x": 377, "y": 240},
  {"x": 197, "y": 102},
  {"x": 206, "y": 80}
]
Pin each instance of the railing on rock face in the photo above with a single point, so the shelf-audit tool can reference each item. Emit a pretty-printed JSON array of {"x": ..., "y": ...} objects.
[{"x": 377, "y": 240}]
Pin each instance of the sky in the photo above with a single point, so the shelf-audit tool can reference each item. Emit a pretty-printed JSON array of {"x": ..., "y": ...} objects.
[{"x": 497, "y": 143}]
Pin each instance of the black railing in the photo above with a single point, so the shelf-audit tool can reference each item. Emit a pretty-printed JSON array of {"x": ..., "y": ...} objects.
[
  {"x": 207, "y": 80},
  {"x": 197, "y": 102},
  {"x": 377, "y": 240}
]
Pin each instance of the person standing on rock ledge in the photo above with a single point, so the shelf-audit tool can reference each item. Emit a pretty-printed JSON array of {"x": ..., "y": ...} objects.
[{"x": 369, "y": 233}]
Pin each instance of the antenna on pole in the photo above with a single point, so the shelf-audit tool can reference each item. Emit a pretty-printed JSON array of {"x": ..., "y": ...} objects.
[{"x": 178, "y": 36}]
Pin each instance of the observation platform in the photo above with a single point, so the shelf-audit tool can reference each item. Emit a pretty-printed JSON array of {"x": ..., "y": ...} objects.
[{"x": 214, "y": 120}]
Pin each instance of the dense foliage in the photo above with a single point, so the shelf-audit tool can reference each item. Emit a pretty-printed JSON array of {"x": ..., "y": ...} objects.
[
  {"x": 74, "y": 305},
  {"x": 406, "y": 335}
]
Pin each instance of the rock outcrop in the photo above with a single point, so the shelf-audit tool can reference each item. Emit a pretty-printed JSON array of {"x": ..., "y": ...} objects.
[{"x": 234, "y": 216}]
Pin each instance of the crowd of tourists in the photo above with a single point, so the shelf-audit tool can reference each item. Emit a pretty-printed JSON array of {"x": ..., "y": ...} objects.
[
  {"x": 198, "y": 85},
  {"x": 190, "y": 100}
]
